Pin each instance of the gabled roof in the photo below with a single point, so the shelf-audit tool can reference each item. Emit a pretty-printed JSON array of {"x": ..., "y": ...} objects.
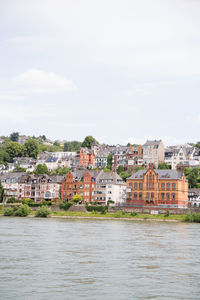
[
  {"x": 109, "y": 177},
  {"x": 162, "y": 174}
]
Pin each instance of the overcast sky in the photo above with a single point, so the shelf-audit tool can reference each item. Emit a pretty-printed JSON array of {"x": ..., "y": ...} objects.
[{"x": 120, "y": 70}]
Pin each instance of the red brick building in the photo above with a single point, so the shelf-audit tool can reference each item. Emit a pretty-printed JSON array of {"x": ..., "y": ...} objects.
[
  {"x": 157, "y": 189},
  {"x": 79, "y": 182},
  {"x": 84, "y": 158}
]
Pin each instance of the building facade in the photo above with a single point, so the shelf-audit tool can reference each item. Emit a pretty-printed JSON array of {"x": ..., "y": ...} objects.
[
  {"x": 153, "y": 152},
  {"x": 157, "y": 189}
]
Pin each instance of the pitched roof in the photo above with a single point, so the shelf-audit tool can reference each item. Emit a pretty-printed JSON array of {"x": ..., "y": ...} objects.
[
  {"x": 162, "y": 174},
  {"x": 152, "y": 143},
  {"x": 109, "y": 177}
]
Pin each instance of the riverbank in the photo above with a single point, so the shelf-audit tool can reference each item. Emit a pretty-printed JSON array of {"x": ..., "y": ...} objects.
[{"x": 112, "y": 216}]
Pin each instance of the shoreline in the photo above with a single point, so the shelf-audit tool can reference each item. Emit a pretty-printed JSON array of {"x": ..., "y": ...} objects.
[{"x": 104, "y": 218}]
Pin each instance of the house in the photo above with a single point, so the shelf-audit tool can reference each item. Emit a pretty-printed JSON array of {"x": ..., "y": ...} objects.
[
  {"x": 161, "y": 189},
  {"x": 193, "y": 197},
  {"x": 79, "y": 182},
  {"x": 176, "y": 156},
  {"x": 100, "y": 159},
  {"x": 84, "y": 158},
  {"x": 109, "y": 186},
  {"x": 39, "y": 187},
  {"x": 153, "y": 152},
  {"x": 27, "y": 163},
  {"x": 9, "y": 182}
]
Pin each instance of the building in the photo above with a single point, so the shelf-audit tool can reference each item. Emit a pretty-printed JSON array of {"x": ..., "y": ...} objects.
[
  {"x": 84, "y": 158},
  {"x": 109, "y": 186},
  {"x": 193, "y": 197},
  {"x": 37, "y": 188},
  {"x": 100, "y": 159},
  {"x": 153, "y": 152},
  {"x": 79, "y": 182},
  {"x": 161, "y": 189},
  {"x": 27, "y": 163},
  {"x": 9, "y": 182},
  {"x": 175, "y": 156}
]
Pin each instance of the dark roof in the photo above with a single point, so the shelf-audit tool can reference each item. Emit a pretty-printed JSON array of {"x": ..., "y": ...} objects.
[
  {"x": 162, "y": 174},
  {"x": 110, "y": 177}
]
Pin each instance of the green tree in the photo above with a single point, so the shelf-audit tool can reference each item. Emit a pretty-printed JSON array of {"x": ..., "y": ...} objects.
[
  {"x": 120, "y": 169},
  {"x": 19, "y": 169},
  {"x": 14, "y": 136},
  {"x": 4, "y": 156},
  {"x": 32, "y": 148},
  {"x": 125, "y": 175},
  {"x": 109, "y": 161},
  {"x": 193, "y": 177},
  {"x": 72, "y": 146},
  {"x": 163, "y": 166},
  {"x": 41, "y": 169},
  {"x": 14, "y": 149},
  {"x": 56, "y": 143},
  {"x": 88, "y": 142}
]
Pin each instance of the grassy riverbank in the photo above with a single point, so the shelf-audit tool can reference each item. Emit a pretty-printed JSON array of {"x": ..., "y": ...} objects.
[
  {"x": 118, "y": 215},
  {"x": 24, "y": 210}
]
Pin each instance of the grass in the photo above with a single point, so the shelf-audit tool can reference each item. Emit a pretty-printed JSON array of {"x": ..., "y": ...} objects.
[
  {"x": 1, "y": 209},
  {"x": 118, "y": 215}
]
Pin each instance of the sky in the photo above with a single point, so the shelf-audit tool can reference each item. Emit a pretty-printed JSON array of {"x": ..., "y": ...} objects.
[{"x": 119, "y": 70}]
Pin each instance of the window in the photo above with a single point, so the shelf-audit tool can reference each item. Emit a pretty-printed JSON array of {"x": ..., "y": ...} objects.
[
  {"x": 135, "y": 195},
  {"x": 162, "y": 186},
  {"x": 173, "y": 196},
  {"x": 141, "y": 186},
  {"x": 173, "y": 186},
  {"x": 168, "y": 186},
  {"x": 162, "y": 196},
  {"x": 168, "y": 196},
  {"x": 130, "y": 185},
  {"x": 140, "y": 196},
  {"x": 135, "y": 185},
  {"x": 147, "y": 195},
  {"x": 152, "y": 195}
]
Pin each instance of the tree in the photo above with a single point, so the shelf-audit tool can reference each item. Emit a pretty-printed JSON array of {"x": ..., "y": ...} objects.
[
  {"x": 19, "y": 169},
  {"x": 72, "y": 146},
  {"x": 193, "y": 177},
  {"x": 77, "y": 198},
  {"x": 163, "y": 166},
  {"x": 4, "y": 156},
  {"x": 14, "y": 136},
  {"x": 41, "y": 169},
  {"x": 120, "y": 169},
  {"x": 109, "y": 161},
  {"x": 1, "y": 192},
  {"x": 32, "y": 148},
  {"x": 88, "y": 142},
  {"x": 56, "y": 143},
  {"x": 14, "y": 149},
  {"x": 125, "y": 175}
]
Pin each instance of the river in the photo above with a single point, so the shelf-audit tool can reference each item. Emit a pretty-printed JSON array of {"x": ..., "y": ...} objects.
[{"x": 98, "y": 259}]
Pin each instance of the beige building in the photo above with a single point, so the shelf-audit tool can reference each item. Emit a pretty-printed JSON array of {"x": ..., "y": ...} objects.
[{"x": 153, "y": 152}]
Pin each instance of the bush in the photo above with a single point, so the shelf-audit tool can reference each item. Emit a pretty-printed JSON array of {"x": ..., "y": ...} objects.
[
  {"x": 22, "y": 211},
  {"x": 133, "y": 214},
  {"x": 8, "y": 211},
  {"x": 195, "y": 217},
  {"x": 43, "y": 212},
  {"x": 28, "y": 201},
  {"x": 99, "y": 208},
  {"x": 66, "y": 205},
  {"x": 166, "y": 214},
  {"x": 45, "y": 202},
  {"x": 12, "y": 200}
]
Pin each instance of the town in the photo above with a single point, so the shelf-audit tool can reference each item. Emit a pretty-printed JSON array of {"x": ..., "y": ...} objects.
[{"x": 148, "y": 178}]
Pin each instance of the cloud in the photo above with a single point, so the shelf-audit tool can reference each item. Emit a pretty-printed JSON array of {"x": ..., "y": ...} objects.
[{"x": 43, "y": 82}]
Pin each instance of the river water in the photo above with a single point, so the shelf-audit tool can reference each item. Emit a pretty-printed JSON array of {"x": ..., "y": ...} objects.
[{"x": 98, "y": 259}]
